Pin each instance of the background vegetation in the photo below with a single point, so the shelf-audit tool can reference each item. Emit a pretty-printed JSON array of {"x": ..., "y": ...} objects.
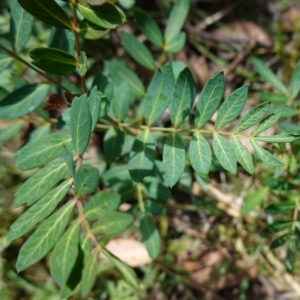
[{"x": 222, "y": 236}]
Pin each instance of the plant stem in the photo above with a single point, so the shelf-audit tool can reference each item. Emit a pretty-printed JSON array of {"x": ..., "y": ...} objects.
[
  {"x": 50, "y": 79},
  {"x": 140, "y": 197},
  {"x": 77, "y": 43}
]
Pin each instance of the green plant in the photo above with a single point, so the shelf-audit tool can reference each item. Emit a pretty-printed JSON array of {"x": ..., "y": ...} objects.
[{"x": 143, "y": 156}]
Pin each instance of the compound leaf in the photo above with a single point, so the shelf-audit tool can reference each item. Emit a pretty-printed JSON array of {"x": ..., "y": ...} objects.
[{"x": 242, "y": 155}]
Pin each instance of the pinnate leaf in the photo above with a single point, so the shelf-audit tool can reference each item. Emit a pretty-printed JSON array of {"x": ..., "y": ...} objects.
[{"x": 44, "y": 238}]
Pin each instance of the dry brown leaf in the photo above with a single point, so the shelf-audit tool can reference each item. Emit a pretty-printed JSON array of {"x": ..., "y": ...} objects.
[
  {"x": 241, "y": 31},
  {"x": 132, "y": 252}
]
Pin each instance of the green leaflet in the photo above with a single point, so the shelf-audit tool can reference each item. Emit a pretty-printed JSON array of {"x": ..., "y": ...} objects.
[
  {"x": 173, "y": 159},
  {"x": 154, "y": 188},
  {"x": 5, "y": 62},
  {"x": 104, "y": 84},
  {"x": 142, "y": 156},
  {"x": 20, "y": 26},
  {"x": 148, "y": 27},
  {"x": 280, "y": 241},
  {"x": 121, "y": 101},
  {"x": 39, "y": 184},
  {"x": 91, "y": 31},
  {"x": 62, "y": 39},
  {"x": 200, "y": 154},
  {"x": 280, "y": 207},
  {"x": 42, "y": 151},
  {"x": 89, "y": 273},
  {"x": 53, "y": 60},
  {"x": 277, "y": 226},
  {"x": 86, "y": 180},
  {"x": 38, "y": 211},
  {"x": 23, "y": 100},
  {"x": 254, "y": 199},
  {"x": 125, "y": 270},
  {"x": 150, "y": 235},
  {"x": 177, "y": 43},
  {"x": 138, "y": 51},
  {"x": 154, "y": 207},
  {"x": 266, "y": 156},
  {"x": 159, "y": 94},
  {"x": 294, "y": 86},
  {"x": 273, "y": 98},
  {"x": 288, "y": 127},
  {"x": 106, "y": 16},
  {"x": 267, "y": 74},
  {"x": 224, "y": 153},
  {"x": 82, "y": 64},
  {"x": 209, "y": 99},
  {"x": 112, "y": 223},
  {"x": 120, "y": 73},
  {"x": 100, "y": 204},
  {"x": 64, "y": 254},
  {"x": 268, "y": 122},
  {"x": 183, "y": 98},
  {"x": 113, "y": 141},
  {"x": 69, "y": 160},
  {"x": 48, "y": 11},
  {"x": 232, "y": 107},
  {"x": 242, "y": 155},
  {"x": 277, "y": 138},
  {"x": 39, "y": 133},
  {"x": 252, "y": 117},
  {"x": 176, "y": 19},
  {"x": 81, "y": 124},
  {"x": 44, "y": 238},
  {"x": 9, "y": 132}
]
